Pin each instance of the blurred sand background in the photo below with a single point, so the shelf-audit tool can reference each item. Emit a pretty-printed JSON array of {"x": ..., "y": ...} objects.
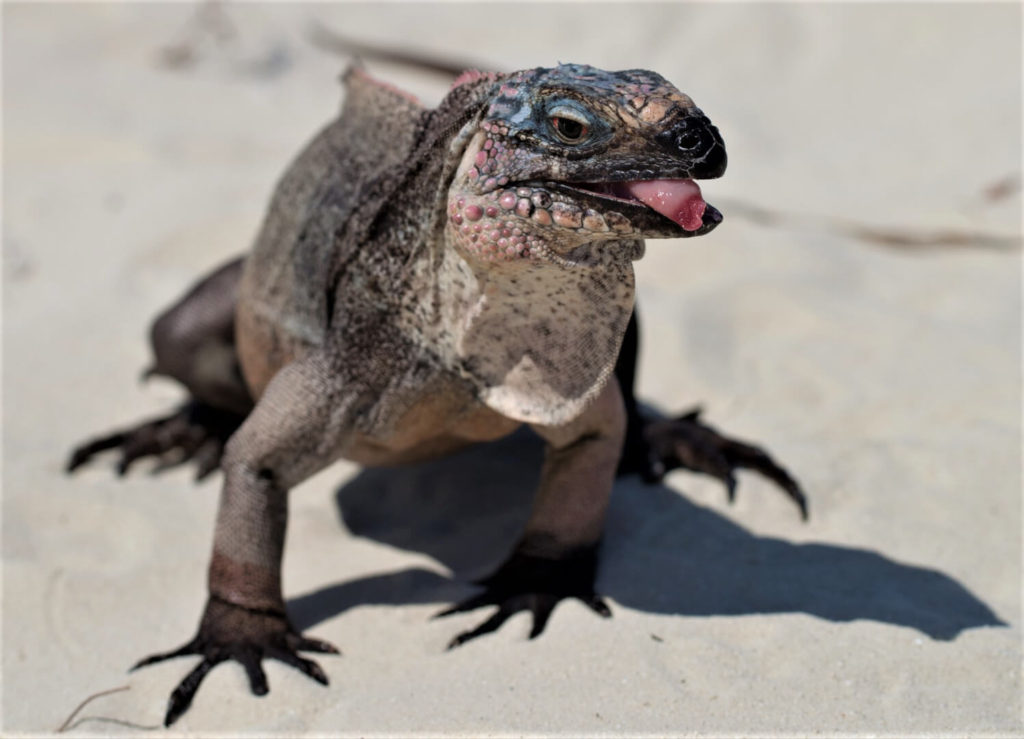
[{"x": 140, "y": 145}]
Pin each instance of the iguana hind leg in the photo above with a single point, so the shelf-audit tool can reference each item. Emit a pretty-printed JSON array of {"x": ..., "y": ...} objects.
[
  {"x": 194, "y": 343},
  {"x": 655, "y": 447},
  {"x": 195, "y": 432}
]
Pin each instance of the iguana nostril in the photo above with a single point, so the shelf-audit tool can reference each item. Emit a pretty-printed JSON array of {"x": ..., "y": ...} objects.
[
  {"x": 693, "y": 136},
  {"x": 689, "y": 140},
  {"x": 693, "y": 133}
]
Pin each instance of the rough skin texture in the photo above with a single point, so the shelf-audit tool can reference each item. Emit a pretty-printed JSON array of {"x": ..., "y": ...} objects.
[{"x": 426, "y": 279}]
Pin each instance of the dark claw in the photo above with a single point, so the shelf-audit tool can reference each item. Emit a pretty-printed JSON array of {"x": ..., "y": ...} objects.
[
  {"x": 207, "y": 458},
  {"x": 730, "y": 487},
  {"x": 470, "y": 604},
  {"x": 135, "y": 449},
  {"x": 756, "y": 459},
  {"x": 542, "y": 608},
  {"x": 689, "y": 443},
  {"x": 82, "y": 454},
  {"x": 229, "y": 631},
  {"x": 191, "y": 647},
  {"x": 491, "y": 624},
  {"x": 250, "y": 659},
  {"x": 692, "y": 415},
  {"x": 306, "y": 666},
  {"x": 305, "y": 644},
  {"x": 598, "y": 605},
  {"x": 534, "y": 584},
  {"x": 194, "y": 432},
  {"x": 182, "y": 696}
]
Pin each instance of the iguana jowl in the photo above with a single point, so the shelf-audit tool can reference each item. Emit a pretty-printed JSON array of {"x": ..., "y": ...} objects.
[{"x": 426, "y": 279}]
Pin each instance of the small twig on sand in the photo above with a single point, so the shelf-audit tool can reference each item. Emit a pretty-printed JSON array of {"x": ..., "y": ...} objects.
[
  {"x": 328, "y": 40},
  {"x": 1002, "y": 188},
  {"x": 68, "y": 725},
  {"x": 896, "y": 237}
]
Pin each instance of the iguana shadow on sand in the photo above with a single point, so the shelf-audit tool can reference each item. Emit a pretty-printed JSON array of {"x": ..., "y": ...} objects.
[{"x": 662, "y": 553}]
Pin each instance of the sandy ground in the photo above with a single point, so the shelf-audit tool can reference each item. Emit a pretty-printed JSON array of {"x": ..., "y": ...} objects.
[{"x": 139, "y": 151}]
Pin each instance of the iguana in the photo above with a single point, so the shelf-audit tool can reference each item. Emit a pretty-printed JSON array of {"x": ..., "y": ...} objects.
[{"x": 426, "y": 279}]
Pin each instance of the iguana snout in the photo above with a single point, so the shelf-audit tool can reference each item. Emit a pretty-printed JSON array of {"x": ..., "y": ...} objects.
[{"x": 575, "y": 156}]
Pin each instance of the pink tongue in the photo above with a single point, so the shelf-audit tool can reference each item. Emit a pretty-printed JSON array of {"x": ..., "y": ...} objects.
[{"x": 679, "y": 200}]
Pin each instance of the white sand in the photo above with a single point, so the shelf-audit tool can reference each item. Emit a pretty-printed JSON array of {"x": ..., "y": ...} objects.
[{"x": 890, "y": 382}]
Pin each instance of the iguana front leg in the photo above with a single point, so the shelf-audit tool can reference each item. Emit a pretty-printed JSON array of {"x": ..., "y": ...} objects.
[
  {"x": 556, "y": 557},
  {"x": 291, "y": 434}
]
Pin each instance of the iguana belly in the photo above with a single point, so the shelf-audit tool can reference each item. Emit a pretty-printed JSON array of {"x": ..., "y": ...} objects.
[{"x": 438, "y": 423}]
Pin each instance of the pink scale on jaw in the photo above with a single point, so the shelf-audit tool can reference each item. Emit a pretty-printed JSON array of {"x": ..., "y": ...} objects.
[
  {"x": 474, "y": 212},
  {"x": 481, "y": 157},
  {"x": 508, "y": 201},
  {"x": 491, "y": 211}
]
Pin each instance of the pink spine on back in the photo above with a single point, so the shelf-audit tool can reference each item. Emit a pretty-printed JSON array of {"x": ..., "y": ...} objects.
[{"x": 472, "y": 75}]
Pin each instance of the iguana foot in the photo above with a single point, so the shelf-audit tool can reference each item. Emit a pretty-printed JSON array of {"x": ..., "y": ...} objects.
[
  {"x": 228, "y": 631},
  {"x": 196, "y": 432},
  {"x": 534, "y": 584},
  {"x": 689, "y": 443}
]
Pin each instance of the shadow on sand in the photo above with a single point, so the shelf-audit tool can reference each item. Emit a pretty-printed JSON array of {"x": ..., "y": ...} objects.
[{"x": 661, "y": 553}]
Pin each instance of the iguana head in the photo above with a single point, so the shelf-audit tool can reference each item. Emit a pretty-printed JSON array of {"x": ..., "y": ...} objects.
[{"x": 566, "y": 159}]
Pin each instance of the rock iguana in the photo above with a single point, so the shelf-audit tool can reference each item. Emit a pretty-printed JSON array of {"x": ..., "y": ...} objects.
[{"x": 426, "y": 279}]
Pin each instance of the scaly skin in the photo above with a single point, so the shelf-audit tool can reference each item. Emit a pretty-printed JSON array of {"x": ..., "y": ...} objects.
[
  {"x": 635, "y": 123},
  {"x": 426, "y": 279}
]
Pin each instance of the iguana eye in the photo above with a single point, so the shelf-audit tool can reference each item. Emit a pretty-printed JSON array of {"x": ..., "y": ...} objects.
[{"x": 569, "y": 125}]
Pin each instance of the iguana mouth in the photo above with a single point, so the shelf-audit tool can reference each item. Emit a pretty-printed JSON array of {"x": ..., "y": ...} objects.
[{"x": 678, "y": 200}]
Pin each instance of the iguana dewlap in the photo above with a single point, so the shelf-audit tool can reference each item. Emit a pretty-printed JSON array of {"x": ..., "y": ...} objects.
[{"x": 425, "y": 279}]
